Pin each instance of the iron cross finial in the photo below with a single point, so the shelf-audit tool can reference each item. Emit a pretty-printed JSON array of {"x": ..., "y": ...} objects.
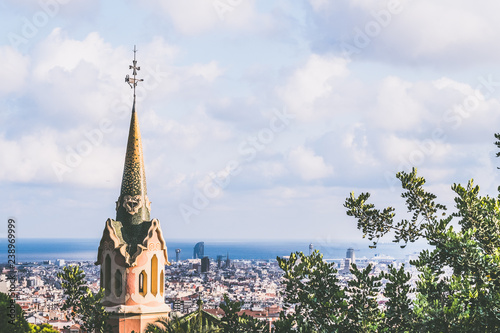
[{"x": 132, "y": 82}]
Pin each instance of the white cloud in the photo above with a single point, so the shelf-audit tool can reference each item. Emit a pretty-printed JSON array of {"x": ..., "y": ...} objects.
[
  {"x": 318, "y": 4},
  {"x": 209, "y": 71},
  {"x": 447, "y": 83},
  {"x": 14, "y": 71},
  {"x": 426, "y": 33},
  {"x": 316, "y": 79},
  {"x": 60, "y": 51},
  {"x": 192, "y": 17},
  {"x": 356, "y": 121},
  {"x": 48, "y": 156},
  {"x": 52, "y": 8},
  {"x": 307, "y": 165},
  {"x": 413, "y": 39},
  {"x": 414, "y": 152},
  {"x": 75, "y": 85},
  {"x": 396, "y": 108},
  {"x": 356, "y": 146}
]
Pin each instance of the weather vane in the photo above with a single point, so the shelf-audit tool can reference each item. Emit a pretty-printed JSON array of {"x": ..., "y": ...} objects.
[{"x": 132, "y": 82}]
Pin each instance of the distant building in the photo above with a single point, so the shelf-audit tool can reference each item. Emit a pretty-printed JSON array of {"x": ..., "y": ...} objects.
[
  {"x": 311, "y": 248},
  {"x": 219, "y": 261},
  {"x": 183, "y": 304},
  {"x": 4, "y": 284},
  {"x": 205, "y": 264},
  {"x": 62, "y": 325},
  {"x": 177, "y": 254},
  {"x": 60, "y": 262},
  {"x": 34, "y": 281},
  {"x": 199, "y": 250},
  {"x": 228, "y": 261},
  {"x": 347, "y": 265},
  {"x": 350, "y": 254}
]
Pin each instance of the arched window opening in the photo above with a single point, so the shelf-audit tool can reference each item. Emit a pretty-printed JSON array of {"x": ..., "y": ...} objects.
[
  {"x": 143, "y": 283},
  {"x": 101, "y": 280},
  {"x": 118, "y": 283},
  {"x": 154, "y": 275},
  {"x": 107, "y": 275},
  {"x": 162, "y": 283}
]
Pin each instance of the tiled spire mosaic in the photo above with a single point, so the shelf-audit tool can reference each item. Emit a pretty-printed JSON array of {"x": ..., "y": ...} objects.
[{"x": 133, "y": 205}]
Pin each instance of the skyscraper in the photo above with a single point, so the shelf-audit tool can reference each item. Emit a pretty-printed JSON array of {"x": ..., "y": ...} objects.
[
  {"x": 199, "y": 250},
  {"x": 219, "y": 260},
  {"x": 132, "y": 252},
  {"x": 311, "y": 248},
  {"x": 177, "y": 254},
  {"x": 350, "y": 254},
  {"x": 205, "y": 264}
]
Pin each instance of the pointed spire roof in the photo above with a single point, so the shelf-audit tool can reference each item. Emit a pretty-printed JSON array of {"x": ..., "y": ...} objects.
[
  {"x": 133, "y": 206},
  {"x": 132, "y": 231},
  {"x": 134, "y": 175}
]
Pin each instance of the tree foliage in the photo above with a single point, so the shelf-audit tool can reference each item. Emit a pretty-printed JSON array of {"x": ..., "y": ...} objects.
[
  {"x": 43, "y": 328},
  {"x": 85, "y": 306},
  {"x": 363, "y": 313},
  {"x": 465, "y": 243},
  {"x": 177, "y": 324},
  {"x": 12, "y": 316},
  {"x": 312, "y": 289},
  {"x": 201, "y": 321},
  {"x": 234, "y": 322},
  {"x": 458, "y": 287},
  {"x": 399, "y": 316}
]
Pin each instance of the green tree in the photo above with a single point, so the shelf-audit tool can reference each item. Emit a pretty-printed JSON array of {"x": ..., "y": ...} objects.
[
  {"x": 198, "y": 321},
  {"x": 465, "y": 242},
  {"x": 233, "y": 322},
  {"x": 288, "y": 323},
  {"x": 363, "y": 314},
  {"x": 399, "y": 316},
  {"x": 179, "y": 325},
  {"x": 12, "y": 316},
  {"x": 85, "y": 306},
  {"x": 312, "y": 288},
  {"x": 43, "y": 328}
]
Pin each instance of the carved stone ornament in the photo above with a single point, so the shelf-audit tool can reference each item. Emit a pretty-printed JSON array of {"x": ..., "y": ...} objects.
[
  {"x": 154, "y": 246},
  {"x": 148, "y": 203},
  {"x": 132, "y": 204}
]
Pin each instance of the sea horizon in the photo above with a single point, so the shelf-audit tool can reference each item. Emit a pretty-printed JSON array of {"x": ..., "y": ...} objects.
[{"x": 85, "y": 249}]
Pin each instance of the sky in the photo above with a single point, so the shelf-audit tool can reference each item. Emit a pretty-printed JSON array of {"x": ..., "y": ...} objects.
[{"x": 258, "y": 118}]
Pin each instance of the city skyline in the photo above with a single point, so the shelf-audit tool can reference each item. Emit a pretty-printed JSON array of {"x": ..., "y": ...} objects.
[{"x": 257, "y": 119}]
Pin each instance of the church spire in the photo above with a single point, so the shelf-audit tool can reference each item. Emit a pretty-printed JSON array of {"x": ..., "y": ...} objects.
[
  {"x": 133, "y": 206},
  {"x": 132, "y": 251}
]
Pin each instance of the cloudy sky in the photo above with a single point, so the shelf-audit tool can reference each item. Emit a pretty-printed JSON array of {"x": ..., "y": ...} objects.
[{"x": 258, "y": 118}]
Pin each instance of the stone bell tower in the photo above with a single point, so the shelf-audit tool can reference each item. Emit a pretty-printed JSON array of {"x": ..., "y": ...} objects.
[{"x": 132, "y": 252}]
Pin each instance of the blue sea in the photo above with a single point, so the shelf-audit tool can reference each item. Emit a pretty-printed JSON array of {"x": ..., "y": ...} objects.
[{"x": 37, "y": 250}]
